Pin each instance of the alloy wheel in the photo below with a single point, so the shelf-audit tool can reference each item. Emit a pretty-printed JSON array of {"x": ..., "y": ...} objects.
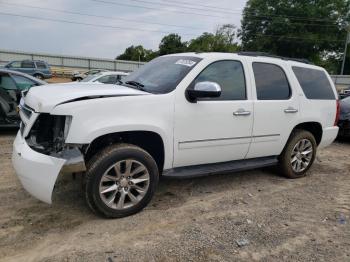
[
  {"x": 301, "y": 155},
  {"x": 124, "y": 184}
]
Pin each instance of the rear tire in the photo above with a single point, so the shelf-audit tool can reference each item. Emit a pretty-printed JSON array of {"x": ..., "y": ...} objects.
[
  {"x": 298, "y": 155},
  {"x": 120, "y": 180}
]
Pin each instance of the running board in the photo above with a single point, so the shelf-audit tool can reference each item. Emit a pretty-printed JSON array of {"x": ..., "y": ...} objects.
[{"x": 220, "y": 168}]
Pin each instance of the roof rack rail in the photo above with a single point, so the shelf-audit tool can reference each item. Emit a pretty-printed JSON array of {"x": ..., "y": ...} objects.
[{"x": 305, "y": 61}]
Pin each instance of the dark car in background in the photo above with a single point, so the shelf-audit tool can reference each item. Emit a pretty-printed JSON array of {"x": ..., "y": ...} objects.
[
  {"x": 345, "y": 93},
  {"x": 12, "y": 84},
  {"x": 344, "y": 118},
  {"x": 38, "y": 69}
]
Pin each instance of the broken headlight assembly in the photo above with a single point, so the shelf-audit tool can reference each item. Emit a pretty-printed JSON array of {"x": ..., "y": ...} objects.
[{"x": 49, "y": 133}]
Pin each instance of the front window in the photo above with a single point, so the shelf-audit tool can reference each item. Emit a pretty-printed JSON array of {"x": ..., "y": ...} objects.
[
  {"x": 109, "y": 79},
  {"x": 163, "y": 74},
  {"x": 229, "y": 75},
  {"x": 90, "y": 77},
  {"x": 15, "y": 64}
]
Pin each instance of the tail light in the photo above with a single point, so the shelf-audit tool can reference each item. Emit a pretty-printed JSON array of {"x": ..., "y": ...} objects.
[{"x": 337, "y": 114}]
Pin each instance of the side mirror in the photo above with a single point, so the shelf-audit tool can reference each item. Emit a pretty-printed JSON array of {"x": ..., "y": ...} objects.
[{"x": 204, "y": 90}]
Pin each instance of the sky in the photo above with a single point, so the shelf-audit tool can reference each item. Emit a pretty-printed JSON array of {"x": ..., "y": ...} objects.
[{"x": 109, "y": 35}]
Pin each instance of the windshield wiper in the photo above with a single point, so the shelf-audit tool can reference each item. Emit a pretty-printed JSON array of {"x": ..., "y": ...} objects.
[{"x": 136, "y": 84}]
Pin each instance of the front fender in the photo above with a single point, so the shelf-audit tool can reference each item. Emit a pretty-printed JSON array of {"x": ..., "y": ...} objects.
[{"x": 98, "y": 117}]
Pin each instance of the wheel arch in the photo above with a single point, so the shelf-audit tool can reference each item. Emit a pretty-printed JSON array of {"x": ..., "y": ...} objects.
[
  {"x": 150, "y": 141},
  {"x": 38, "y": 73},
  {"x": 315, "y": 128}
]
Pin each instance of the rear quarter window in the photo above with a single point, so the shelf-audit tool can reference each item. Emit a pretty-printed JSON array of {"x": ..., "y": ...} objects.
[
  {"x": 315, "y": 83},
  {"x": 41, "y": 65}
]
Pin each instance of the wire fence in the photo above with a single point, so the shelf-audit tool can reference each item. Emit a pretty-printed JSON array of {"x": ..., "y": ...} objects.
[
  {"x": 65, "y": 65},
  {"x": 341, "y": 81}
]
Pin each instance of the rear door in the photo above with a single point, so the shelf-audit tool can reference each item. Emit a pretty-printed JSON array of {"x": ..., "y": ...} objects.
[
  {"x": 27, "y": 67},
  {"x": 276, "y": 107}
]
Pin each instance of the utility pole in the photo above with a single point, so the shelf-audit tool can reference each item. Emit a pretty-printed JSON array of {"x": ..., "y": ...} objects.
[{"x": 346, "y": 49}]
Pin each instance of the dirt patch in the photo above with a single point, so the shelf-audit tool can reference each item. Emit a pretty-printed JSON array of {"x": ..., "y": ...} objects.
[
  {"x": 56, "y": 80},
  {"x": 193, "y": 220}
]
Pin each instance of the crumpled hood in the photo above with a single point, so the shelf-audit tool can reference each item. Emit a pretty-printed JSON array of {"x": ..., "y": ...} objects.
[{"x": 45, "y": 98}]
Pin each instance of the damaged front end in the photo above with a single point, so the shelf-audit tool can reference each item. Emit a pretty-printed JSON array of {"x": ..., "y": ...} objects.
[
  {"x": 47, "y": 136},
  {"x": 40, "y": 153}
]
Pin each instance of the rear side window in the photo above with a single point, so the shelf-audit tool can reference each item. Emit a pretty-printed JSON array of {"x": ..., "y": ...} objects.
[
  {"x": 314, "y": 83},
  {"x": 271, "y": 82},
  {"x": 28, "y": 64},
  {"x": 41, "y": 65}
]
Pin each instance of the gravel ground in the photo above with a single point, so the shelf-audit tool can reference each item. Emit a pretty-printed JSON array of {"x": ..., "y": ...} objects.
[{"x": 246, "y": 216}]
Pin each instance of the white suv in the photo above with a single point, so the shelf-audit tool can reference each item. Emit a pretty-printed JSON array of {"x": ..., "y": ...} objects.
[{"x": 181, "y": 115}]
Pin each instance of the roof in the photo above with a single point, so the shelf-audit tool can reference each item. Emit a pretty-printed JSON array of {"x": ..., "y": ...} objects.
[{"x": 263, "y": 57}]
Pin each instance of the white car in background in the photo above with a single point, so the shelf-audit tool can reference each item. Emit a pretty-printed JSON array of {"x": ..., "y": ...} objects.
[{"x": 106, "y": 77}]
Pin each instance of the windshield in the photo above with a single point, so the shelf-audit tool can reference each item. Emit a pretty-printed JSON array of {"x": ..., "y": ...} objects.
[
  {"x": 90, "y": 77},
  {"x": 163, "y": 74}
]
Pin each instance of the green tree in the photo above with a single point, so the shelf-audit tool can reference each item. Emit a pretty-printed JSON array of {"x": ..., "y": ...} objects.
[
  {"x": 136, "y": 53},
  {"x": 222, "y": 41},
  {"x": 171, "y": 44},
  {"x": 312, "y": 29}
]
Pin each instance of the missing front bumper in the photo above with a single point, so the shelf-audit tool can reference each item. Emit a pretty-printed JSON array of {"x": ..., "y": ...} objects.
[{"x": 38, "y": 172}]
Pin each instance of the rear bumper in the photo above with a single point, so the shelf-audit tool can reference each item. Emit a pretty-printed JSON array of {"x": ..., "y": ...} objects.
[
  {"x": 37, "y": 172},
  {"x": 47, "y": 76},
  {"x": 328, "y": 136}
]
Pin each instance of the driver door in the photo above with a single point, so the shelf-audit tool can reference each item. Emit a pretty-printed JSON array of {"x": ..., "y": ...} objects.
[{"x": 214, "y": 130}]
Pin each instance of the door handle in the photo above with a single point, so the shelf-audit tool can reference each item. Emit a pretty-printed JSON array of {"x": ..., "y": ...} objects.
[
  {"x": 291, "y": 110},
  {"x": 241, "y": 112}
]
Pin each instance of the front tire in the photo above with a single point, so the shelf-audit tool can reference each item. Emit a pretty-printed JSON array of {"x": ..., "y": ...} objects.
[
  {"x": 120, "y": 180},
  {"x": 298, "y": 155}
]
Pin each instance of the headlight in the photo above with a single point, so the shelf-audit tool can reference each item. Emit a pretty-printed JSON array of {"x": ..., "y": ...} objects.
[{"x": 49, "y": 133}]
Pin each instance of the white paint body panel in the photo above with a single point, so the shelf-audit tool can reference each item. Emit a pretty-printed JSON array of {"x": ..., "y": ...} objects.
[
  {"x": 192, "y": 133},
  {"x": 37, "y": 172},
  {"x": 44, "y": 98}
]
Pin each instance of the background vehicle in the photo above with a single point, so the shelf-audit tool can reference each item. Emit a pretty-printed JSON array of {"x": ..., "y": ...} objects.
[
  {"x": 36, "y": 68},
  {"x": 106, "y": 77},
  {"x": 344, "y": 118},
  {"x": 344, "y": 94},
  {"x": 12, "y": 83},
  {"x": 182, "y": 115},
  {"x": 78, "y": 76}
]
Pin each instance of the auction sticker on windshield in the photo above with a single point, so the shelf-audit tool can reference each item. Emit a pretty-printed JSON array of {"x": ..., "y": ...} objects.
[{"x": 185, "y": 62}]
